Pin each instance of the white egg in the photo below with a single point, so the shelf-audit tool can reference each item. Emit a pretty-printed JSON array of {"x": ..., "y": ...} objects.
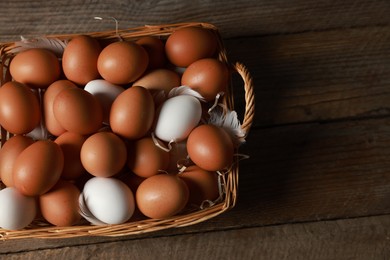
[
  {"x": 177, "y": 117},
  {"x": 108, "y": 200},
  {"x": 106, "y": 93},
  {"x": 16, "y": 210}
]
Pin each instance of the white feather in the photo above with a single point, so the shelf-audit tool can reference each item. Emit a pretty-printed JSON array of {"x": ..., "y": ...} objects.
[
  {"x": 55, "y": 45},
  {"x": 185, "y": 90},
  {"x": 223, "y": 117}
]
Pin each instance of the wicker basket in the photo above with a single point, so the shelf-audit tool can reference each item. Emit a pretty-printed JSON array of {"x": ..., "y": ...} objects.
[{"x": 41, "y": 229}]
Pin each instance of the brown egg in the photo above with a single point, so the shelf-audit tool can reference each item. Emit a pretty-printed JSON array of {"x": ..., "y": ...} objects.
[
  {"x": 210, "y": 147},
  {"x": 155, "y": 49},
  {"x": 145, "y": 159},
  {"x": 122, "y": 62},
  {"x": 19, "y": 108},
  {"x": 103, "y": 154},
  {"x": 132, "y": 113},
  {"x": 79, "y": 60},
  {"x": 51, "y": 92},
  {"x": 8, "y": 154},
  {"x": 78, "y": 111},
  {"x": 206, "y": 76},
  {"x": 60, "y": 206},
  {"x": 203, "y": 185},
  {"x": 71, "y": 144},
  {"x": 162, "y": 196},
  {"x": 187, "y": 45},
  {"x": 36, "y": 67},
  {"x": 159, "y": 79},
  {"x": 38, "y": 168}
]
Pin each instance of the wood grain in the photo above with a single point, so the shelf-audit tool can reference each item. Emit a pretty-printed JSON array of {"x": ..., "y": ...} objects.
[
  {"x": 235, "y": 18},
  {"x": 317, "y": 183},
  {"x": 364, "y": 238},
  {"x": 316, "y": 76}
]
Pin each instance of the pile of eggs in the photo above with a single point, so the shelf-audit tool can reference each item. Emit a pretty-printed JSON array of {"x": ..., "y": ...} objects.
[{"x": 101, "y": 131}]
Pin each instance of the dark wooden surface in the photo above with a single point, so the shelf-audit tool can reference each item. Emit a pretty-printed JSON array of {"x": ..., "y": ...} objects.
[{"x": 317, "y": 184}]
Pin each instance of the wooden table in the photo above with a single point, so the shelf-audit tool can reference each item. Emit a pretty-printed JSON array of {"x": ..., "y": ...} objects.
[{"x": 317, "y": 184}]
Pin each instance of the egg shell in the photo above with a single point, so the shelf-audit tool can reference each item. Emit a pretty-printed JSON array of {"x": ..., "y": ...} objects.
[
  {"x": 35, "y": 67},
  {"x": 59, "y": 206},
  {"x": 202, "y": 184},
  {"x": 70, "y": 144},
  {"x": 106, "y": 93},
  {"x": 8, "y": 154},
  {"x": 210, "y": 147},
  {"x": 79, "y": 60},
  {"x": 162, "y": 196},
  {"x": 78, "y": 111},
  {"x": 145, "y": 159},
  {"x": 206, "y": 76},
  {"x": 17, "y": 211},
  {"x": 109, "y": 200},
  {"x": 103, "y": 154},
  {"x": 155, "y": 49},
  {"x": 177, "y": 117},
  {"x": 159, "y": 79},
  {"x": 38, "y": 168},
  {"x": 19, "y": 108},
  {"x": 132, "y": 113},
  {"x": 187, "y": 45},
  {"x": 51, "y": 123},
  {"x": 122, "y": 62}
]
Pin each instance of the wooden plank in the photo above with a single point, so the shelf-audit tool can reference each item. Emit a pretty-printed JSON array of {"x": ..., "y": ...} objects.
[
  {"x": 316, "y": 76},
  {"x": 295, "y": 174},
  {"x": 363, "y": 238},
  {"x": 242, "y": 18}
]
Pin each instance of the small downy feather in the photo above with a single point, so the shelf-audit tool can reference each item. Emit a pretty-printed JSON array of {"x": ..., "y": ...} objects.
[
  {"x": 55, "y": 45},
  {"x": 223, "y": 117},
  {"x": 185, "y": 90}
]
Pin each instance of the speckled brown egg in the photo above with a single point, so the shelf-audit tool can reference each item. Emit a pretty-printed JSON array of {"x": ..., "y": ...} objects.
[
  {"x": 146, "y": 159},
  {"x": 59, "y": 206},
  {"x": 36, "y": 67},
  {"x": 162, "y": 196},
  {"x": 51, "y": 123},
  {"x": 8, "y": 154},
  {"x": 71, "y": 144},
  {"x": 79, "y": 60},
  {"x": 103, "y": 154},
  {"x": 38, "y": 168},
  {"x": 206, "y": 76},
  {"x": 187, "y": 45},
  {"x": 132, "y": 113},
  {"x": 78, "y": 111},
  {"x": 155, "y": 49},
  {"x": 19, "y": 108},
  {"x": 210, "y": 147},
  {"x": 203, "y": 185},
  {"x": 122, "y": 62}
]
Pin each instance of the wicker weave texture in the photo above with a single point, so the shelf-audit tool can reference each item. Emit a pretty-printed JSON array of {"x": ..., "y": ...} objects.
[{"x": 41, "y": 229}]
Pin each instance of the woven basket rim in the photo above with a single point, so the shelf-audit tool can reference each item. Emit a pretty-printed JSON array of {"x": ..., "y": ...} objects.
[{"x": 230, "y": 180}]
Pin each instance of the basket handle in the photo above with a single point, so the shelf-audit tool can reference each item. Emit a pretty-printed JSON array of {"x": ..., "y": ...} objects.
[{"x": 249, "y": 96}]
